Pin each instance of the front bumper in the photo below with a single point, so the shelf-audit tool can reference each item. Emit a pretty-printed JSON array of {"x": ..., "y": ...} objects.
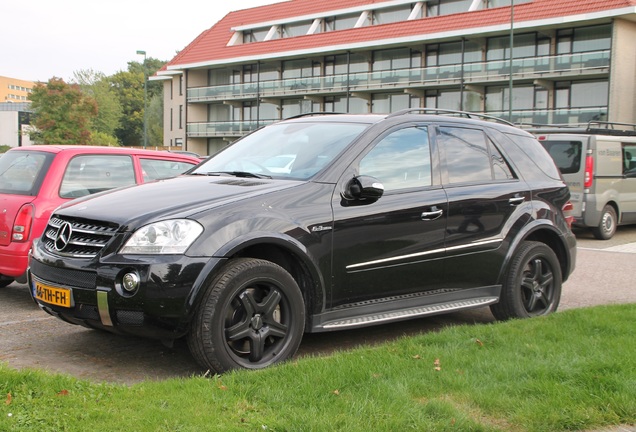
[{"x": 160, "y": 308}]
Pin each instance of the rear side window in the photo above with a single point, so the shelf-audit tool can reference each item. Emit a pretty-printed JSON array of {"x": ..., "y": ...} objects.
[
  {"x": 21, "y": 172},
  {"x": 156, "y": 169},
  {"x": 89, "y": 174},
  {"x": 629, "y": 159},
  {"x": 471, "y": 156},
  {"x": 537, "y": 156},
  {"x": 566, "y": 155}
]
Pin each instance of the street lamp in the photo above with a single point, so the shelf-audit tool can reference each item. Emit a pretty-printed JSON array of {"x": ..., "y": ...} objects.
[{"x": 143, "y": 53}]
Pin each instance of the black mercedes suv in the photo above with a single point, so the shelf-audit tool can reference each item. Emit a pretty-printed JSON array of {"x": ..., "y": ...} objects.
[{"x": 312, "y": 224}]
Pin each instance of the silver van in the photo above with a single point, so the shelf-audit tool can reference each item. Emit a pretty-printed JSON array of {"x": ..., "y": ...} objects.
[{"x": 598, "y": 163}]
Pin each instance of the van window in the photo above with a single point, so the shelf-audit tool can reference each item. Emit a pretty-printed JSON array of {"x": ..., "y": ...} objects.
[
  {"x": 629, "y": 159},
  {"x": 566, "y": 155}
]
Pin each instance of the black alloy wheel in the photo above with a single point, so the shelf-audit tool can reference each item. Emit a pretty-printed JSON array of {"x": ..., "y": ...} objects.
[
  {"x": 533, "y": 284},
  {"x": 251, "y": 317}
]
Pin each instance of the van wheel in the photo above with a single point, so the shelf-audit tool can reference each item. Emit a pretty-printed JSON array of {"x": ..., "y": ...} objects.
[
  {"x": 251, "y": 316},
  {"x": 607, "y": 227},
  {"x": 5, "y": 282},
  {"x": 533, "y": 284}
]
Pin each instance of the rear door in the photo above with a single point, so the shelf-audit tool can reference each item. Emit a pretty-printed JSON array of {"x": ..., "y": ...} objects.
[
  {"x": 486, "y": 204},
  {"x": 569, "y": 153}
]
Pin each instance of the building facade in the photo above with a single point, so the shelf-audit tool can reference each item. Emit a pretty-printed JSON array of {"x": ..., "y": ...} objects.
[
  {"x": 14, "y": 90},
  {"x": 534, "y": 62}
]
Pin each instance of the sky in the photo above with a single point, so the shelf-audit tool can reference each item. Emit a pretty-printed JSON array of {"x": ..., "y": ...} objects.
[{"x": 41, "y": 39}]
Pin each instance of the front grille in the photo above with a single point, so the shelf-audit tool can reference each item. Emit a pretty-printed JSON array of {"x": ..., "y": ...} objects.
[
  {"x": 129, "y": 317},
  {"x": 72, "y": 278},
  {"x": 77, "y": 238}
]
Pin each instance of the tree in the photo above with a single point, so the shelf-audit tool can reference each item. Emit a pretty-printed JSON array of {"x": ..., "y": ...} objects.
[
  {"x": 110, "y": 112},
  {"x": 62, "y": 113},
  {"x": 129, "y": 87},
  {"x": 155, "y": 120}
]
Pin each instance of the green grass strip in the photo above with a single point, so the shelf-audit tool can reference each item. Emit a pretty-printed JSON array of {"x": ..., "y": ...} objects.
[{"x": 571, "y": 371}]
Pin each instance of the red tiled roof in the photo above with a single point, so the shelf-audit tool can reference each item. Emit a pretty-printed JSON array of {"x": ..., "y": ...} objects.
[{"x": 212, "y": 44}]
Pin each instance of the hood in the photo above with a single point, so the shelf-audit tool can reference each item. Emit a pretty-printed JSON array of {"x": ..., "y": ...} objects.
[{"x": 166, "y": 199}]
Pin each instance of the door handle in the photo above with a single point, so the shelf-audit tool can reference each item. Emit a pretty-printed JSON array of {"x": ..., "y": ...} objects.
[
  {"x": 516, "y": 201},
  {"x": 432, "y": 215}
]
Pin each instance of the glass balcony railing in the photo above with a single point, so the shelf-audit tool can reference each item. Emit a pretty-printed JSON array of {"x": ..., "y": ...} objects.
[
  {"x": 223, "y": 128},
  {"x": 522, "y": 117},
  {"x": 563, "y": 65}
]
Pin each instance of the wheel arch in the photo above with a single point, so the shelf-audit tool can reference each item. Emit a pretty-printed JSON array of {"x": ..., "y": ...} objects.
[
  {"x": 284, "y": 251},
  {"x": 544, "y": 233}
]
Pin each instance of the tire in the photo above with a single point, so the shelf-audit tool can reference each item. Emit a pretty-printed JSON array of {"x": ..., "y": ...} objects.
[
  {"x": 5, "y": 282},
  {"x": 533, "y": 284},
  {"x": 607, "y": 226},
  {"x": 251, "y": 316}
]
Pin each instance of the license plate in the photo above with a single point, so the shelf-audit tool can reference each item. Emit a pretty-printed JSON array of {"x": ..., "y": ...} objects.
[{"x": 53, "y": 295}]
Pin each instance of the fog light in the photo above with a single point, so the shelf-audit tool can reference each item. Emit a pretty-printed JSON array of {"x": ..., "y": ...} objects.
[{"x": 130, "y": 282}]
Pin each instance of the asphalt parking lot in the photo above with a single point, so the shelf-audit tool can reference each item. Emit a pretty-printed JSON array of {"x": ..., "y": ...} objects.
[{"x": 29, "y": 338}]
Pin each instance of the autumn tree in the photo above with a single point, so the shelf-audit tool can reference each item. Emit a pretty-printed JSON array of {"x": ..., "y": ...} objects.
[{"x": 63, "y": 114}]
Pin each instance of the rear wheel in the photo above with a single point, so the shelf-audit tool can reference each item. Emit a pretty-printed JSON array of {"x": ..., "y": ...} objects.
[
  {"x": 533, "y": 284},
  {"x": 607, "y": 226},
  {"x": 251, "y": 316},
  {"x": 5, "y": 282}
]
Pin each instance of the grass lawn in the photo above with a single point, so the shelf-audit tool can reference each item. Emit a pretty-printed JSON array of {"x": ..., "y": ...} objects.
[{"x": 571, "y": 371}]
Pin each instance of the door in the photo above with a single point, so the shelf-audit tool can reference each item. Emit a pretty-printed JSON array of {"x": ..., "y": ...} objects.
[{"x": 394, "y": 246}]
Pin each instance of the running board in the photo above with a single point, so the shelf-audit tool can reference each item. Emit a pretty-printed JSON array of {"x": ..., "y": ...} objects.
[{"x": 403, "y": 314}]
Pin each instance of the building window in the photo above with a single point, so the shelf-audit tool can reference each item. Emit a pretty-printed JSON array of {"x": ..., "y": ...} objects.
[
  {"x": 180, "y": 116},
  {"x": 581, "y": 94},
  {"x": 388, "y": 103},
  {"x": 584, "y": 39},
  {"x": 171, "y": 118},
  {"x": 402, "y": 58},
  {"x": 181, "y": 85}
]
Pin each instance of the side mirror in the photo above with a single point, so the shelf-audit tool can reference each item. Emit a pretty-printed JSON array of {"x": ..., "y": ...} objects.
[{"x": 363, "y": 188}]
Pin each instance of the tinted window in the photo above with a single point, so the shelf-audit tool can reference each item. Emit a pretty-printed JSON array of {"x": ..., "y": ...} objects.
[
  {"x": 566, "y": 154},
  {"x": 88, "y": 174},
  {"x": 467, "y": 154},
  {"x": 400, "y": 160},
  {"x": 536, "y": 156},
  {"x": 22, "y": 172},
  {"x": 155, "y": 169}
]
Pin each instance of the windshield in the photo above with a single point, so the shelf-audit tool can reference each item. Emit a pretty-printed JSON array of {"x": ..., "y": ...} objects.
[
  {"x": 285, "y": 150},
  {"x": 21, "y": 172}
]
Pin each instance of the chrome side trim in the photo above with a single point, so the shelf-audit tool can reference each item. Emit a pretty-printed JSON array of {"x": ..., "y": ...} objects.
[
  {"x": 102, "y": 306},
  {"x": 421, "y": 254}
]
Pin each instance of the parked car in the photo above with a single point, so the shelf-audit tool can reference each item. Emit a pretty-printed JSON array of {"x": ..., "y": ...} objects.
[
  {"x": 36, "y": 179},
  {"x": 598, "y": 163},
  {"x": 380, "y": 218}
]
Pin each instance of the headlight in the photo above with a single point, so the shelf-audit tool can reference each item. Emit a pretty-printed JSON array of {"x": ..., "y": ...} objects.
[{"x": 166, "y": 237}]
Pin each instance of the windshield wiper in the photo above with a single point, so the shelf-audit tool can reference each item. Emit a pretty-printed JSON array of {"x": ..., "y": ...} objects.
[{"x": 234, "y": 173}]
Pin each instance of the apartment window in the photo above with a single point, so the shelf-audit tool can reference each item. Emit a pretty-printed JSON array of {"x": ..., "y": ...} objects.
[
  {"x": 581, "y": 94},
  {"x": 268, "y": 72},
  {"x": 447, "y": 7},
  {"x": 401, "y": 58},
  {"x": 295, "y": 29},
  {"x": 180, "y": 116},
  {"x": 255, "y": 35},
  {"x": 391, "y": 15},
  {"x": 300, "y": 69},
  {"x": 584, "y": 39},
  {"x": 171, "y": 118},
  {"x": 524, "y": 45},
  {"x": 523, "y": 98},
  {"x": 387, "y": 103},
  {"x": 340, "y": 22},
  {"x": 181, "y": 85},
  {"x": 451, "y": 53}
]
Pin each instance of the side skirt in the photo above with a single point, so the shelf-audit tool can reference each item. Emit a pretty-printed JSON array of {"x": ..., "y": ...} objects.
[{"x": 400, "y": 308}]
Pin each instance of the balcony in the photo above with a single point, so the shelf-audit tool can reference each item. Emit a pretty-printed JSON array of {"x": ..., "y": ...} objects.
[
  {"x": 550, "y": 67},
  {"x": 223, "y": 129}
]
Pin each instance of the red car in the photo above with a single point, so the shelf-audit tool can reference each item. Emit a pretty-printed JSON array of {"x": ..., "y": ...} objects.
[{"x": 35, "y": 180}]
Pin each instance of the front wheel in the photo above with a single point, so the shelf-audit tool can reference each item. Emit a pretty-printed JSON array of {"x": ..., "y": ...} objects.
[
  {"x": 607, "y": 226},
  {"x": 251, "y": 316},
  {"x": 533, "y": 284}
]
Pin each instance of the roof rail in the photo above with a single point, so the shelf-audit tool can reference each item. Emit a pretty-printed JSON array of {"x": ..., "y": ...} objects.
[
  {"x": 440, "y": 111},
  {"x": 594, "y": 127},
  {"x": 313, "y": 113}
]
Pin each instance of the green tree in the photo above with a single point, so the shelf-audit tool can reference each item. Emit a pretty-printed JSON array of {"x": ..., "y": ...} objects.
[
  {"x": 129, "y": 87},
  {"x": 62, "y": 113},
  {"x": 110, "y": 112},
  {"x": 155, "y": 121}
]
